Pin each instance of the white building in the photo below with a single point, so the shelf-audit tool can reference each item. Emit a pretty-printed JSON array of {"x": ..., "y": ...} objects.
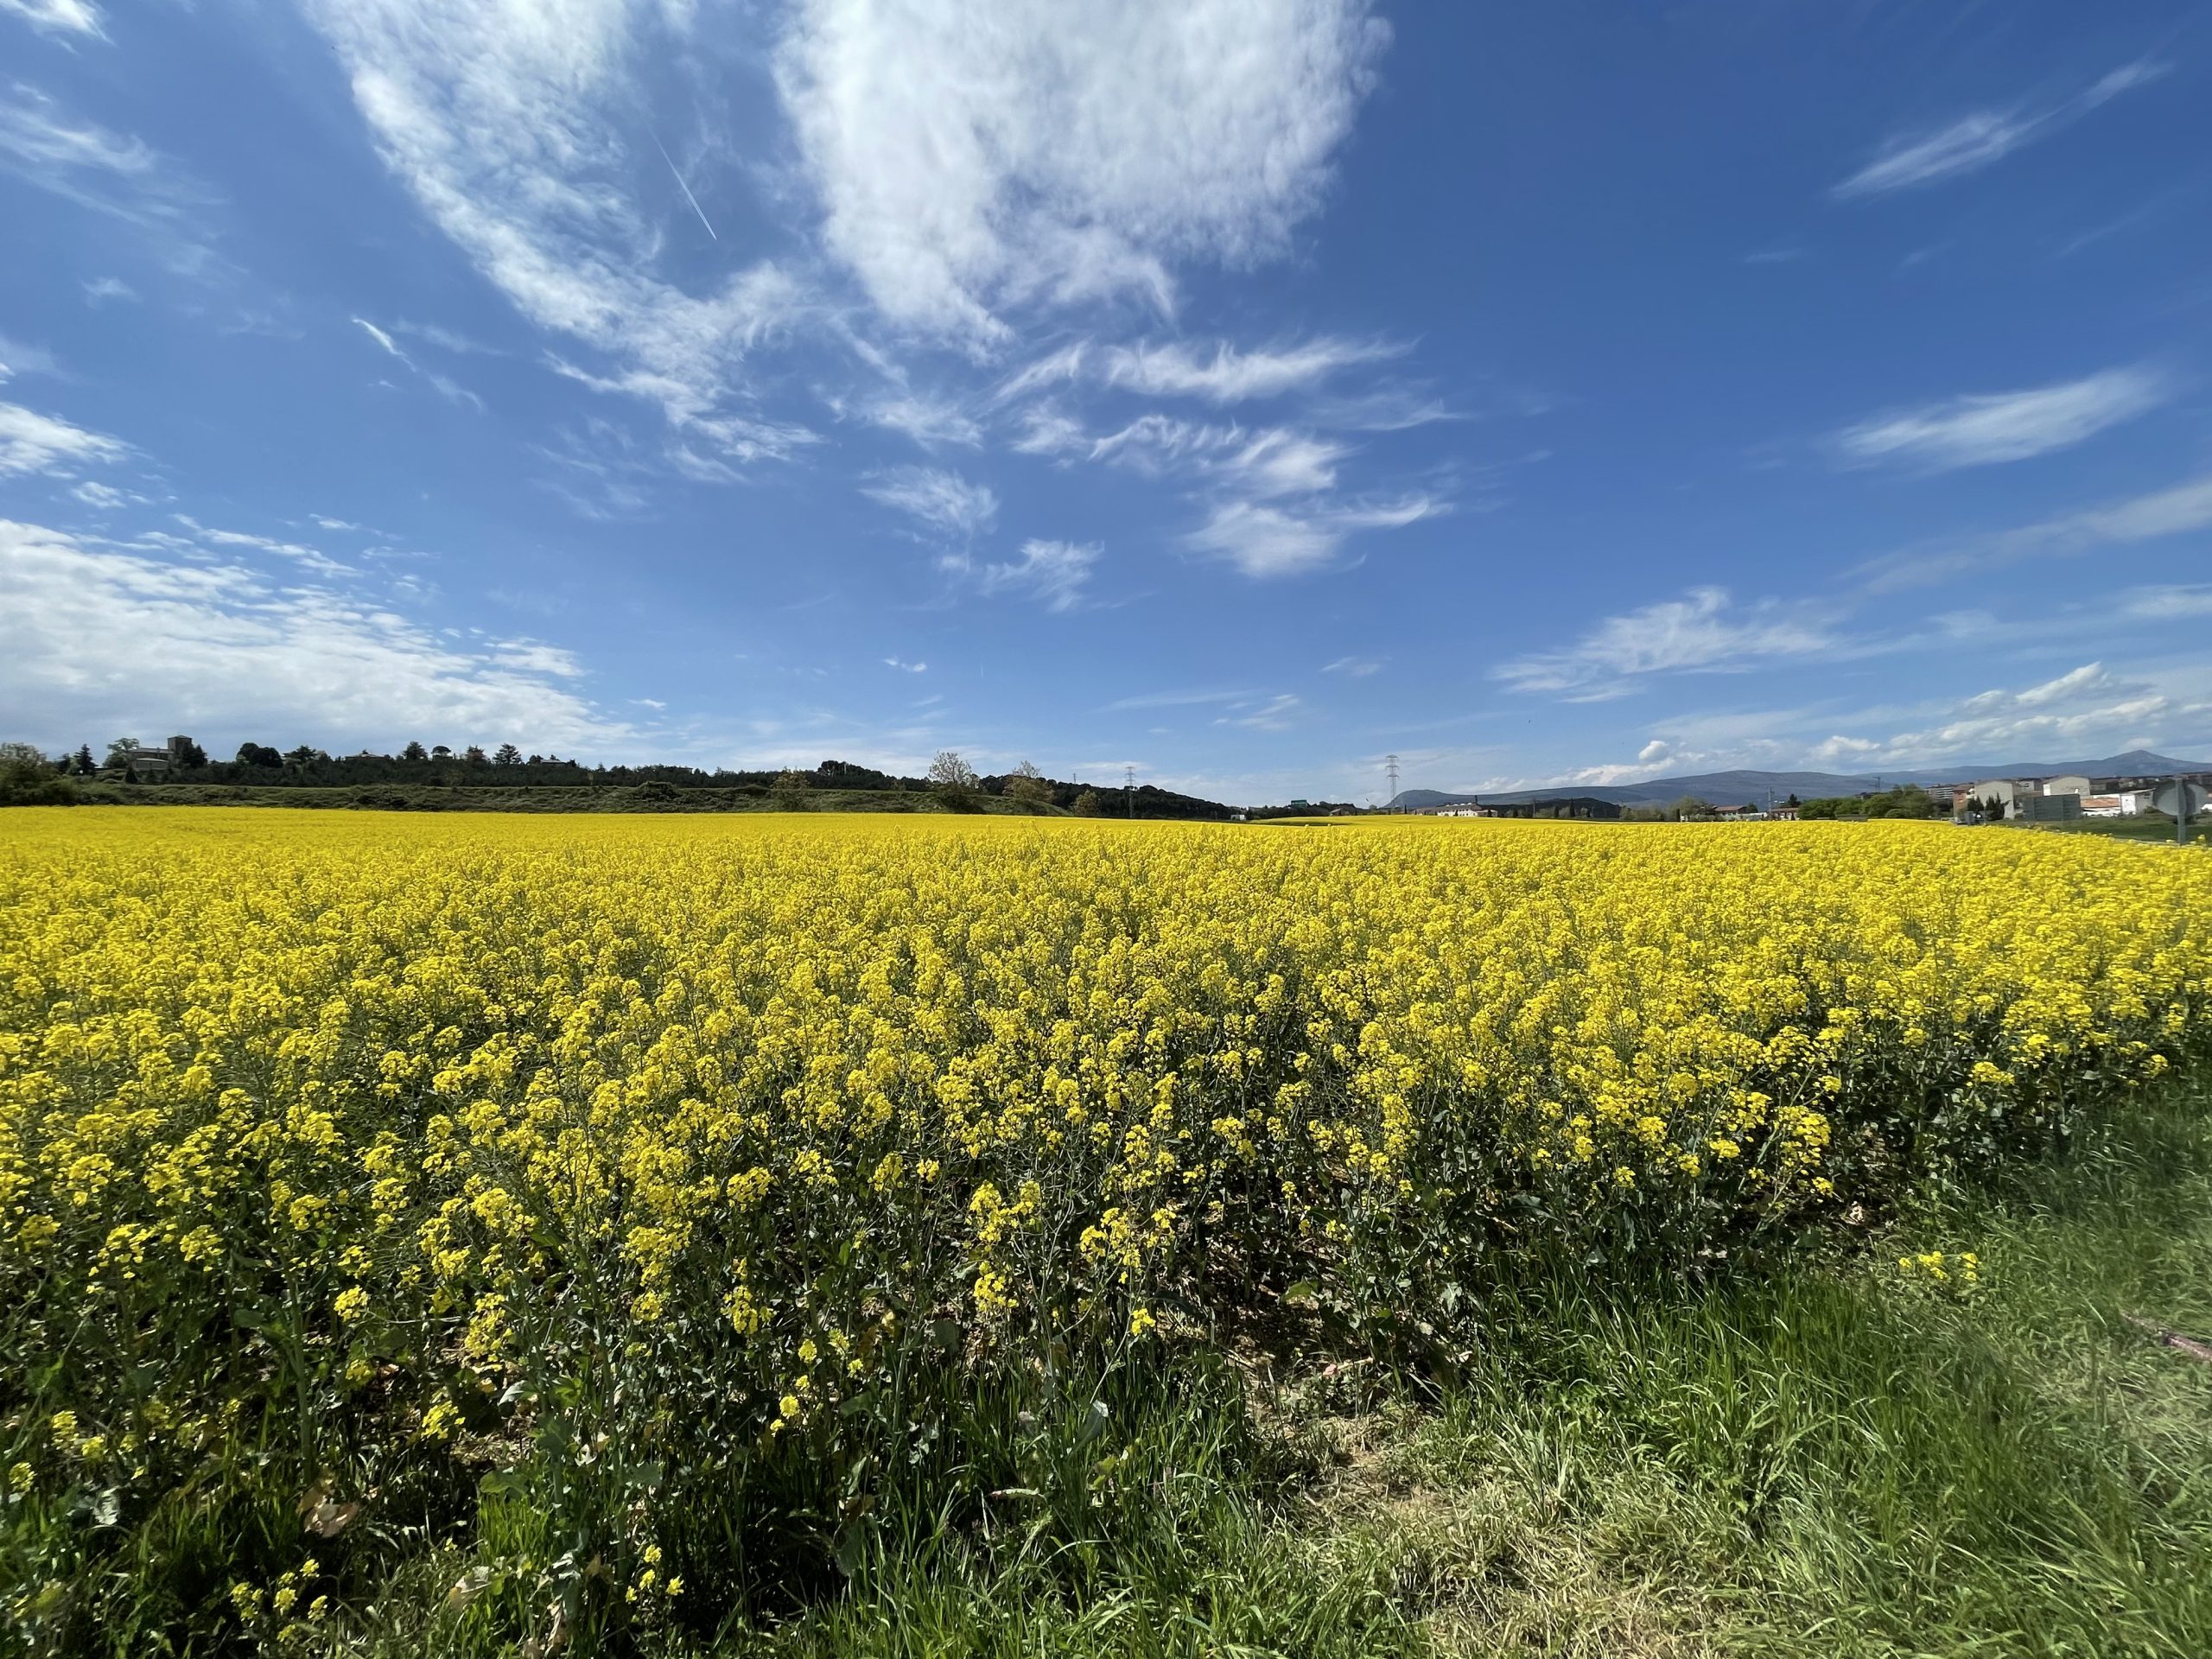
[
  {"x": 2070, "y": 784},
  {"x": 2005, "y": 792},
  {"x": 2119, "y": 803}
]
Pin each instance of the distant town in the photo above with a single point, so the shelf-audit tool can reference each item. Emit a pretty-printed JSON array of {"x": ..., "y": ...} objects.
[
  {"x": 439, "y": 777},
  {"x": 2047, "y": 800}
]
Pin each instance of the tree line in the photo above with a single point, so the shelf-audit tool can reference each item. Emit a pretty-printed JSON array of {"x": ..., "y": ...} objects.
[{"x": 27, "y": 776}]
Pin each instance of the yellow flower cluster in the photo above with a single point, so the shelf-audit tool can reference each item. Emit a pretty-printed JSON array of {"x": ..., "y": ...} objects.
[{"x": 445, "y": 1113}]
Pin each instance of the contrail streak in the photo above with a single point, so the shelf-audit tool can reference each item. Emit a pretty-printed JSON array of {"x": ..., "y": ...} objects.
[{"x": 685, "y": 187}]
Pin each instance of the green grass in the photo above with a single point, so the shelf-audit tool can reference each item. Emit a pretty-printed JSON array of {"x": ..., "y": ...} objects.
[
  {"x": 1824, "y": 1458},
  {"x": 2155, "y": 827},
  {"x": 1816, "y": 1455}
]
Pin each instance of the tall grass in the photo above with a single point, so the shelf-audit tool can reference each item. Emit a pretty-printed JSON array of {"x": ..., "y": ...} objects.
[
  {"x": 1826, "y": 1457},
  {"x": 1819, "y": 1455}
]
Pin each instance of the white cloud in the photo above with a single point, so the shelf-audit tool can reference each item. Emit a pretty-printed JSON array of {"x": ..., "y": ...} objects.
[
  {"x": 104, "y": 497},
  {"x": 101, "y": 289},
  {"x": 16, "y": 358},
  {"x": 928, "y": 421},
  {"x": 445, "y": 386},
  {"x": 1263, "y": 539},
  {"x": 945, "y": 501},
  {"x": 1358, "y": 668},
  {"x": 31, "y": 442},
  {"x": 1173, "y": 700},
  {"x": 1985, "y": 429},
  {"x": 1279, "y": 462},
  {"x": 906, "y": 668},
  {"x": 59, "y": 16},
  {"x": 109, "y": 172},
  {"x": 45, "y": 146},
  {"x": 515, "y": 127},
  {"x": 104, "y": 640},
  {"x": 2185, "y": 506},
  {"x": 1178, "y": 369},
  {"x": 1054, "y": 572},
  {"x": 313, "y": 558},
  {"x": 2166, "y": 603},
  {"x": 1065, "y": 364},
  {"x": 1975, "y": 140},
  {"x": 1693, "y": 634},
  {"x": 1229, "y": 376},
  {"x": 974, "y": 155},
  {"x": 1277, "y": 713},
  {"x": 1970, "y": 142},
  {"x": 445, "y": 340},
  {"x": 2088, "y": 708},
  {"x": 1267, "y": 492}
]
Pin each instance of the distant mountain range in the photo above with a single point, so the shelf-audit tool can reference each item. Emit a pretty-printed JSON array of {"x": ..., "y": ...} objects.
[{"x": 1729, "y": 788}]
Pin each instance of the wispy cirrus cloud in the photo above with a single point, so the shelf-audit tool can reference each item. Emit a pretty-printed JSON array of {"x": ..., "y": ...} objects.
[
  {"x": 448, "y": 388},
  {"x": 1220, "y": 374},
  {"x": 1700, "y": 632},
  {"x": 80, "y": 161},
  {"x": 32, "y": 443},
  {"x": 59, "y": 17},
  {"x": 1278, "y": 714},
  {"x": 313, "y": 558},
  {"x": 515, "y": 130},
  {"x": 1265, "y": 539},
  {"x": 1176, "y": 699},
  {"x": 931, "y": 423},
  {"x": 1990, "y": 429},
  {"x": 1980, "y": 138},
  {"x": 1054, "y": 573},
  {"x": 2173, "y": 512},
  {"x": 104, "y": 498},
  {"x": 2167, "y": 602},
  {"x": 942, "y": 500},
  {"x": 1228, "y": 375},
  {"x": 973, "y": 156},
  {"x": 18, "y": 357},
  {"x": 1268, "y": 495}
]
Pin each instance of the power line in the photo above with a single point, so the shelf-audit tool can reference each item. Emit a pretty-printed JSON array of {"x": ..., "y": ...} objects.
[{"x": 1390, "y": 765}]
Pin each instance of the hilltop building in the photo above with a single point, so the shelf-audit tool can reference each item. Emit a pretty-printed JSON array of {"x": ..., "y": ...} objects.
[{"x": 149, "y": 765}]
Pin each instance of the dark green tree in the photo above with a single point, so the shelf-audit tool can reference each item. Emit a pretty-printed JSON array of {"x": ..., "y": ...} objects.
[{"x": 414, "y": 752}]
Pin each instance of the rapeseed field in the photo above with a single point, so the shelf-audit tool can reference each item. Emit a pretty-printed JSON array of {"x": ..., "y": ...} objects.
[{"x": 620, "y": 1215}]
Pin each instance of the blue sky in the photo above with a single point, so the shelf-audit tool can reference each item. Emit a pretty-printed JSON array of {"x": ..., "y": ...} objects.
[{"x": 1236, "y": 390}]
